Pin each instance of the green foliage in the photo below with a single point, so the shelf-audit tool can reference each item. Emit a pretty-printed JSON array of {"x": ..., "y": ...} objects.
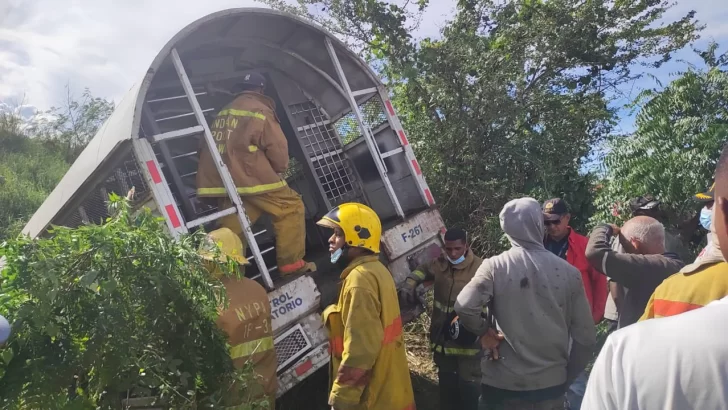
[
  {"x": 35, "y": 154},
  {"x": 29, "y": 170},
  {"x": 105, "y": 312},
  {"x": 379, "y": 29},
  {"x": 71, "y": 127},
  {"x": 673, "y": 152},
  {"x": 514, "y": 95}
]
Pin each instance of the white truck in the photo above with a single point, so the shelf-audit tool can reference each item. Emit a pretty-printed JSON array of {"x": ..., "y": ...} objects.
[{"x": 345, "y": 142}]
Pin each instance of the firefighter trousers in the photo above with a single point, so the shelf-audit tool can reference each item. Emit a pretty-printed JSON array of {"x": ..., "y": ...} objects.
[
  {"x": 459, "y": 381},
  {"x": 287, "y": 213}
]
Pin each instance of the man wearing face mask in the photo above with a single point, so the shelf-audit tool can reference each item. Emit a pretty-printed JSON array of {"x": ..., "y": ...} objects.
[
  {"x": 707, "y": 211},
  {"x": 368, "y": 364},
  {"x": 458, "y": 366},
  {"x": 676, "y": 362},
  {"x": 696, "y": 285}
]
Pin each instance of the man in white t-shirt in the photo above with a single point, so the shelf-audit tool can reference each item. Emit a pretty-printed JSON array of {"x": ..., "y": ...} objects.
[{"x": 678, "y": 362}]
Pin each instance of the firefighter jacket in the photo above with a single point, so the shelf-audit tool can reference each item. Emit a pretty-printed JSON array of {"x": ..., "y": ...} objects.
[
  {"x": 368, "y": 367},
  {"x": 251, "y": 144},
  {"x": 449, "y": 281},
  {"x": 247, "y": 322}
]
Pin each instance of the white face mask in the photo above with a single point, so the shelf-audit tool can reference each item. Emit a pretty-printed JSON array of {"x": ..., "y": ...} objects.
[
  {"x": 457, "y": 261},
  {"x": 337, "y": 255},
  {"x": 706, "y": 218}
]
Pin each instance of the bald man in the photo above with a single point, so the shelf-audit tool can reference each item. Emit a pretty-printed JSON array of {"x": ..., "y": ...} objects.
[
  {"x": 643, "y": 266},
  {"x": 677, "y": 362}
]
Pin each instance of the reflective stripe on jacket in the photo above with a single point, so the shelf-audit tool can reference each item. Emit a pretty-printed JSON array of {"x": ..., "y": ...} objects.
[
  {"x": 368, "y": 368},
  {"x": 247, "y": 322},
  {"x": 683, "y": 292},
  {"x": 251, "y": 144},
  {"x": 449, "y": 281}
]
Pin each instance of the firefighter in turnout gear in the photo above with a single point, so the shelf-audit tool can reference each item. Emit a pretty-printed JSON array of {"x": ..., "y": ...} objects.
[
  {"x": 246, "y": 321},
  {"x": 368, "y": 367},
  {"x": 255, "y": 150},
  {"x": 458, "y": 365}
]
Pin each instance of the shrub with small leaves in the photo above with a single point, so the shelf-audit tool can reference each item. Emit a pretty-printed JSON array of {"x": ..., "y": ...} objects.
[
  {"x": 103, "y": 313},
  {"x": 672, "y": 154}
]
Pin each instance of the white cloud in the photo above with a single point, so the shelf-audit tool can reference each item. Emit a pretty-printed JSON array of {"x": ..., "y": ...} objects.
[{"x": 106, "y": 45}]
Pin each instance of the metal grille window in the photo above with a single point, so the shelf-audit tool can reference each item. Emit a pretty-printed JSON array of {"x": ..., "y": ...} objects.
[
  {"x": 94, "y": 208},
  {"x": 291, "y": 345},
  {"x": 321, "y": 143},
  {"x": 372, "y": 112}
]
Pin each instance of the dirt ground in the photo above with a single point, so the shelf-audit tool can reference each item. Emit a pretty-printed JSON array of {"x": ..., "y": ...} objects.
[{"x": 312, "y": 394}]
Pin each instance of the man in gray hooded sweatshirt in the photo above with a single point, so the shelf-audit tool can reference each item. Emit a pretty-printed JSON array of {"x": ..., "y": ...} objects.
[{"x": 542, "y": 314}]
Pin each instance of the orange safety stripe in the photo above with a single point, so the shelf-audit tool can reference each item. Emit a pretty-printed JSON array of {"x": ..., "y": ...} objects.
[
  {"x": 393, "y": 331},
  {"x": 673, "y": 307},
  {"x": 353, "y": 376},
  {"x": 336, "y": 346},
  {"x": 292, "y": 267}
]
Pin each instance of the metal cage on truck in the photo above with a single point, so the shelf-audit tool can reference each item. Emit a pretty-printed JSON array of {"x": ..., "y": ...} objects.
[{"x": 345, "y": 142}]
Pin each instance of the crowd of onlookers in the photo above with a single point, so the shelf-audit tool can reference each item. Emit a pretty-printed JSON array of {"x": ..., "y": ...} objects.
[{"x": 534, "y": 310}]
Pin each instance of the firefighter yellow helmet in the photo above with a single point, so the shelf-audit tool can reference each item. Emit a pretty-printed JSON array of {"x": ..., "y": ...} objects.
[
  {"x": 230, "y": 245},
  {"x": 361, "y": 225}
]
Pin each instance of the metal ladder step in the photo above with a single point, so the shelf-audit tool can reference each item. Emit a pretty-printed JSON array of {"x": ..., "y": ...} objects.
[
  {"x": 210, "y": 218},
  {"x": 197, "y": 129},
  {"x": 222, "y": 169}
]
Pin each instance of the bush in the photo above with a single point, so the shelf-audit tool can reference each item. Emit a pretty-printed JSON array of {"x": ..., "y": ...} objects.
[{"x": 105, "y": 312}]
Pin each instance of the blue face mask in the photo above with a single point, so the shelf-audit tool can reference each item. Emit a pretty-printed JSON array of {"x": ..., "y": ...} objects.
[
  {"x": 337, "y": 255},
  {"x": 706, "y": 218},
  {"x": 457, "y": 261}
]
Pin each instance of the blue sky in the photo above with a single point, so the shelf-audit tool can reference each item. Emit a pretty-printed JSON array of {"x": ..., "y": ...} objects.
[{"x": 106, "y": 45}]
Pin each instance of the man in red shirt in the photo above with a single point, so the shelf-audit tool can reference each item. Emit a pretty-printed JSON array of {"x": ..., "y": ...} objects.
[{"x": 563, "y": 242}]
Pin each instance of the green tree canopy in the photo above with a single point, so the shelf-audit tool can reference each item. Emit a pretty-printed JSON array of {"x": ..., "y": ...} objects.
[
  {"x": 514, "y": 95},
  {"x": 672, "y": 154},
  {"x": 71, "y": 127}
]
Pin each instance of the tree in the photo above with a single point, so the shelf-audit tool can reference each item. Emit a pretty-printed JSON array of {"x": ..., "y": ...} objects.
[
  {"x": 673, "y": 152},
  {"x": 112, "y": 311},
  {"x": 73, "y": 125},
  {"x": 514, "y": 95}
]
